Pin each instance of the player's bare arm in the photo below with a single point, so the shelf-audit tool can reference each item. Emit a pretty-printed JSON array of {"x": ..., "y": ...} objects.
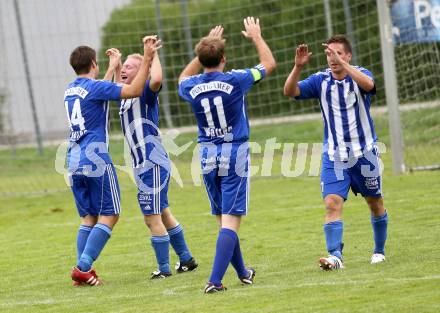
[
  {"x": 194, "y": 67},
  {"x": 114, "y": 60},
  {"x": 118, "y": 70},
  {"x": 253, "y": 31},
  {"x": 302, "y": 57},
  {"x": 191, "y": 69},
  {"x": 364, "y": 81},
  {"x": 151, "y": 45},
  {"x": 156, "y": 73}
]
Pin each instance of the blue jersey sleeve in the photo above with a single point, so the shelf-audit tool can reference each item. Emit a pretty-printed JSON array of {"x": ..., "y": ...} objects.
[
  {"x": 148, "y": 95},
  {"x": 184, "y": 86},
  {"x": 249, "y": 77},
  {"x": 369, "y": 74},
  {"x": 309, "y": 87},
  {"x": 106, "y": 90}
]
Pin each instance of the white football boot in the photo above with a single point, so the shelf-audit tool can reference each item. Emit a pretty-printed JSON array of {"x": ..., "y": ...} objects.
[{"x": 377, "y": 258}]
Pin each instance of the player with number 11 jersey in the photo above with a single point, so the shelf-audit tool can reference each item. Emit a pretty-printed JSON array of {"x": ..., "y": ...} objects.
[{"x": 218, "y": 102}]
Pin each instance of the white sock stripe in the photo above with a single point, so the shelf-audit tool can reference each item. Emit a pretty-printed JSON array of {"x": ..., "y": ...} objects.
[{"x": 178, "y": 228}]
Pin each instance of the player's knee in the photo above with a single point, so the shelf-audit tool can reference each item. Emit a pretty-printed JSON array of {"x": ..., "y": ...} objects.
[
  {"x": 168, "y": 219},
  {"x": 166, "y": 215},
  {"x": 152, "y": 221},
  {"x": 333, "y": 205},
  {"x": 89, "y": 220},
  {"x": 375, "y": 205},
  {"x": 109, "y": 220},
  {"x": 113, "y": 220}
]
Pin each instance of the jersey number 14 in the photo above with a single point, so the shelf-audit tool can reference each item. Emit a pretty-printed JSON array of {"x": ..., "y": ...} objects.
[{"x": 76, "y": 119}]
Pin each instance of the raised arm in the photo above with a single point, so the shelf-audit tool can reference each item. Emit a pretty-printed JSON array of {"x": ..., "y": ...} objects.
[
  {"x": 253, "y": 32},
  {"x": 118, "y": 70},
  {"x": 302, "y": 57},
  {"x": 363, "y": 80},
  {"x": 194, "y": 67},
  {"x": 135, "y": 89},
  {"x": 156, "y": 73},
  {"x": 114, "y": 61},
  {"x": 191, "y": 69}
]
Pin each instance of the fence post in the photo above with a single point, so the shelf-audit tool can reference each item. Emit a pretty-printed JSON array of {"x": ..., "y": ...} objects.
[
  {"x": 165, "y": 90},
  {"x": 349, "y": 29},
  {"x": 187, "y": 29},
  {"x": 389, "y": 68},
  {"x": 28, "y": 78},
  {"x": 328, "y": 18}
]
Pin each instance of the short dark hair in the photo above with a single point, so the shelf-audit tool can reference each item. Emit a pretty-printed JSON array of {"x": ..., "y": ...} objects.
[
  {"x": 81, "y": 59},
  {"x": 340, "y": 39},
  {"x": 210, "y": 51}
]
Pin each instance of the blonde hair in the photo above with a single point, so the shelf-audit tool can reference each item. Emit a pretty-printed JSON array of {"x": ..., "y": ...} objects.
[{"x": 136, "y": 56}]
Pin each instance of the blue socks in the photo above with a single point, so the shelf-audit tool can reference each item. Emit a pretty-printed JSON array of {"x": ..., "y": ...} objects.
[
  {"x": 81, "y": 239},
  {"x": 380, "y": 224},
  {"x": 333, "y": 236},
  {"x": 161, "y": 246},
  {"x": 237, "y": 261},
  {"x": 334, "y": 230},
  {"x": 95, "y": 243},
  {"x": 177, "y": 240},
  {"x": 226, "y": 242}
]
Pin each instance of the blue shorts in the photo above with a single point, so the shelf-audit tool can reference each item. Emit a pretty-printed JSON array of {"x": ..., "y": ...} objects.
[
  {"x": 362, "y": 175},
  {"x": 225, "y": 170},
  {"x": 96, "y": 195},
  {"x": 152, "y": 189}
]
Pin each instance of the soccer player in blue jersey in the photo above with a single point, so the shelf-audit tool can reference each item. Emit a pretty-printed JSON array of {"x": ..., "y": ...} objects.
[
  {"x": 350, "y": 157},
  {"x": 218, "y": 102},
  {"x": 93, "y": 179},
  {"x": 152, "y": 169}
]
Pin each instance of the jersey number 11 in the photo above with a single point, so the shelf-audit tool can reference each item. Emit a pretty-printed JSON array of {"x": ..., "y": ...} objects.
[{"x": 218, "y": 102}]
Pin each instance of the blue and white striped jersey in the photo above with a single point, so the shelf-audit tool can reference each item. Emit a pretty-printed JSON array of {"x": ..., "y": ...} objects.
[
  {"x": 86, "y": 104},
  {"x": 140, "y": 125},
  {"x": 218, "y": 102},
  {"x": 345, "y": 107}
]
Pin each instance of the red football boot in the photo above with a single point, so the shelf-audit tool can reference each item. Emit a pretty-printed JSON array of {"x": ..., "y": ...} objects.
[
  {"x": 88, "y": 278},
  {"x": 78, "y": 284}
]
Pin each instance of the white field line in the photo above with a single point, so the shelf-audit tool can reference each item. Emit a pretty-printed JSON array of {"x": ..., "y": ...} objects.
[
  {"x": 255, "y": 122},
  {"x": 174, "y": 291}
]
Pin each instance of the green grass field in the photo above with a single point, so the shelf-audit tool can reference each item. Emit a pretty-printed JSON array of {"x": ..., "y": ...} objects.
[{"x": 281, "y": 237}]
